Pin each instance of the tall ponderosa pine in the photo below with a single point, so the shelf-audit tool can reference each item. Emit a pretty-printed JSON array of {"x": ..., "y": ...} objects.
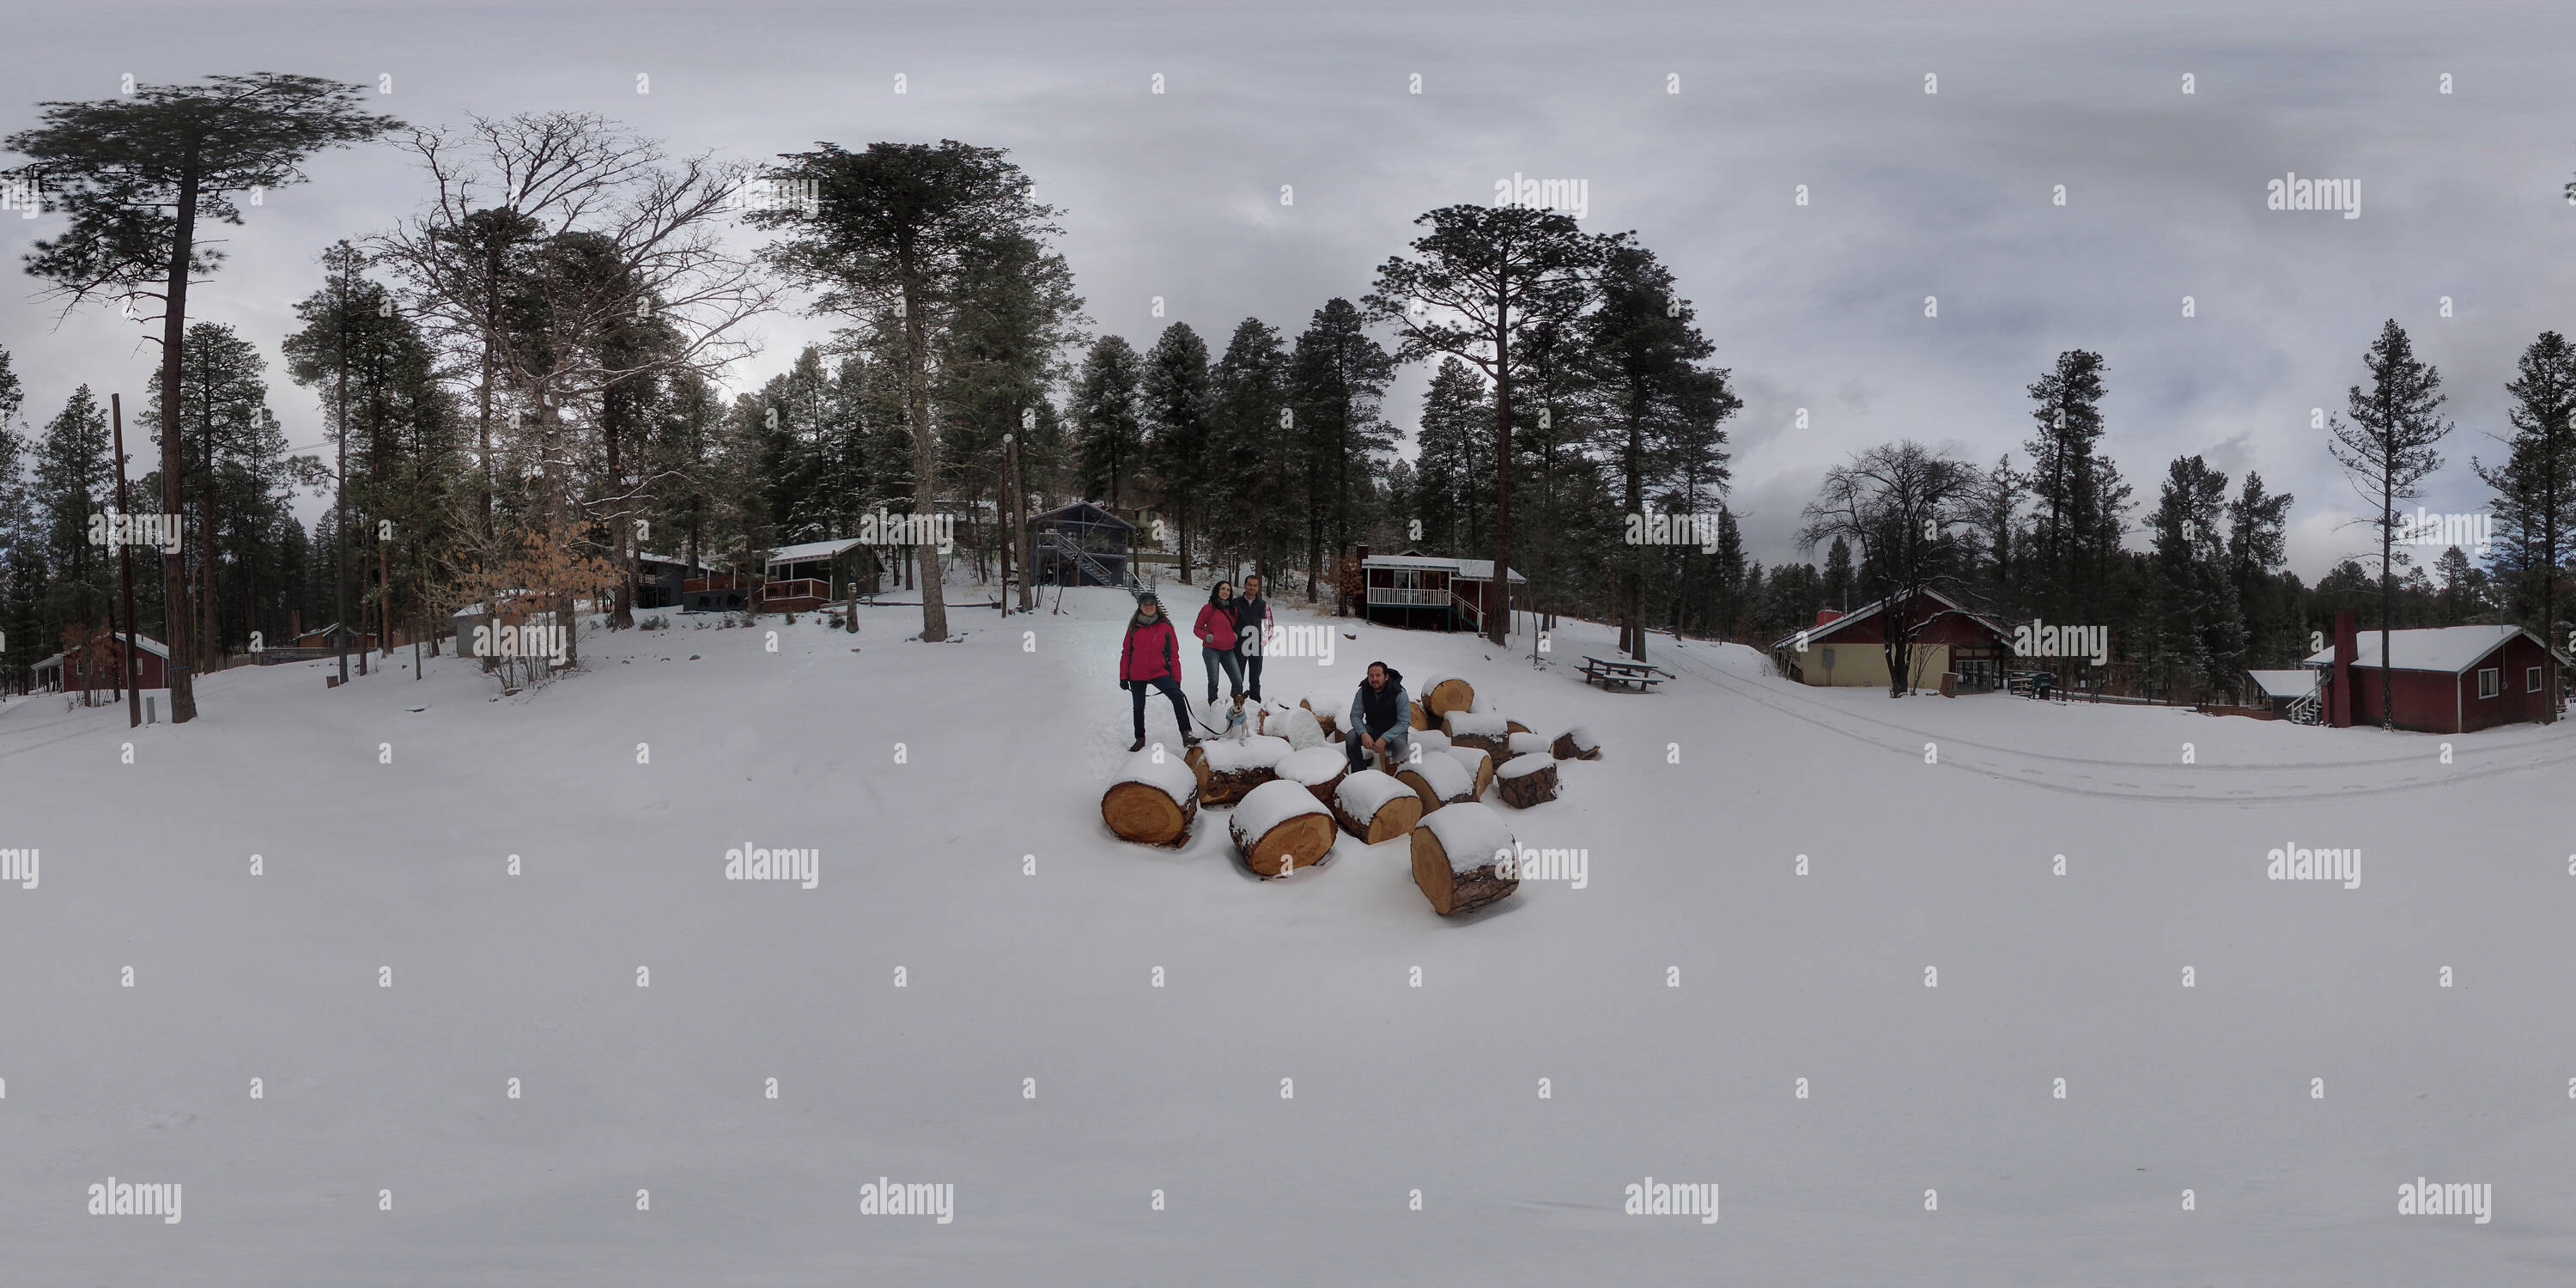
[
  {"x": 901, "y": 228},
  {"x": 136, "y": 175},
  {"x": 2386, "y": 448},
  {"x": 1483, "y": 277},
  {"x": 1179, "y": 406},
  {"x": 1108, "y": 427},
  {"x": 2067, "y": 405},
  {"x": 1453, "y": 463},
  {"x": 1337, "y": 378},
  {"x": 2535, "y": 486}
]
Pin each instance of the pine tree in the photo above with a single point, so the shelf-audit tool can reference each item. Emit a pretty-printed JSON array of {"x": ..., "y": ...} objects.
[
  {"x": 1337, "y": 377},
  {"x": 75, "y": 480},
  {"x": 2067, "y": 405},
  {"x": 2387, "y": 450},
  {"x": 1108, "y": 428},
  {"x": 2257, "y": 524},
  {"x": 1179, "y": 403},
  {"x": 1452, "y": 462},
  {"x": 2535, "y": 487}
]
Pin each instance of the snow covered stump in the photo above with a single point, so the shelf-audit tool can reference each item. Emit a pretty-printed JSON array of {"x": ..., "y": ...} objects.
[
  {"x": 1153, "y": 800},
  {"x": 1438, "y": 779},
  {"x": 1279, "y": 828},
  {"x": 1323, "y": 720},
  {"x": 1527, "y": 781},
  {"x": 1317, "y": 769},
  {"x": 1482, "y": 730},
  {"x": 1373, "y": 806},
  {"x": 1524, "y": 743},
  {"x": 1454, "y": 856},
  {"x": 1576, "y": 744},
  {"x": 1480, "y": 766},
  {"x": 1296, "y": 724},
  {"x": 1228, "y": 770}
]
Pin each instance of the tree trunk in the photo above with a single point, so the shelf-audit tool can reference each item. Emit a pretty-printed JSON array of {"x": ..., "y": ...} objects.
[
  {"x": 174, "y": 330},
  {"x": 925, "y": 455},
  {"x": 1498, "y": 611},
  {"x": 1527, "y": 781},
  {"x": 1450, "y": 891}
]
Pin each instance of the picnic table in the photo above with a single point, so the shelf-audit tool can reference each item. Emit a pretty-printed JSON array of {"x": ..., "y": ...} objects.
[{"x": 1609, "y": 671}]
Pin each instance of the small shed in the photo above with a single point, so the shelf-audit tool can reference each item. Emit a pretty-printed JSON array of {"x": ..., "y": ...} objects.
[
  {"x": 2446, "y": 679},
  {"x": 805, "y": 577},
  {"x": 1429, "y": 592},
  {"x": 1082, "y": 544},
  {"x": 2290, "y": 694},
  {"x": 660, "y": 580}
]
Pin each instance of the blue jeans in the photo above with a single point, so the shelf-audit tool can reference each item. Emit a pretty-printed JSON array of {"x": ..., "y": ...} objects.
[
  {"x": 1399, "y": 747},
  {"x": 1233, "y": 664},
  {"x": 1171, "y": 689}
]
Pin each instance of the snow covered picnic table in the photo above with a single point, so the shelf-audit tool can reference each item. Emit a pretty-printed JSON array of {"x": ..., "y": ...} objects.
[{"x": 1606, "y": 672}]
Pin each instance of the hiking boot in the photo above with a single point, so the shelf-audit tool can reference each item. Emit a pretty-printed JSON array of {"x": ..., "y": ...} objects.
[{"x": 1139, "y": 745}]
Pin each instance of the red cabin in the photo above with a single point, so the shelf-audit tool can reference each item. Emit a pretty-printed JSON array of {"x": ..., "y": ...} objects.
[
  {"x": 2449, "y": 679},
  {"x": 64, "y": 673},
  {"x": 1429, "y": 591}
]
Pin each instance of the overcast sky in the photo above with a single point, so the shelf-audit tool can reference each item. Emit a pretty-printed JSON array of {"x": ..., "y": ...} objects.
[{"x": 1911, "y": 194}]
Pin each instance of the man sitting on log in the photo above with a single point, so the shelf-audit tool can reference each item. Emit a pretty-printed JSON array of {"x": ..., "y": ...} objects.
[{"x": 1381, "y": 719}]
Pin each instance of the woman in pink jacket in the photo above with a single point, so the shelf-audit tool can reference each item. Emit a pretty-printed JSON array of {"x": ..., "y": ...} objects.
[{"x": 1151, "y": 658}]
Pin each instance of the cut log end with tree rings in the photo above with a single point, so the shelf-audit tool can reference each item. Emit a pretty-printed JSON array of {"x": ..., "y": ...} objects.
[
  {"x": 1280, "y": 828},
  {"x": 1442, "y": 694},
  {"x": 1152, "y": 803},
  {"x": 1515, "y": 726},
  {"x": 1456, "y": 858},
  {"x": 1479, "y": 765},
  {"x": 1375, "y": 806},
  {"x": 1419, "y": 719},
  {"x": 1576, "y": 744},
  {"x": 1527, "y": 781}
]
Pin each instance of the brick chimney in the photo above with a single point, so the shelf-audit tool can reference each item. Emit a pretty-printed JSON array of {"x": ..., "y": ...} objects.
[
  {"x": 1825, "y": 615},
  {"x": 2346, "y": 646}
]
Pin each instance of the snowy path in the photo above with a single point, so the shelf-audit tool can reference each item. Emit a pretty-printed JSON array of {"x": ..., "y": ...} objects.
[{"x": 1005, "y": 740}]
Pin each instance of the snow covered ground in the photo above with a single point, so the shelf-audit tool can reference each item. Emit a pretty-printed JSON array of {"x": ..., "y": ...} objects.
[{"x": 1028, "y": 1059}]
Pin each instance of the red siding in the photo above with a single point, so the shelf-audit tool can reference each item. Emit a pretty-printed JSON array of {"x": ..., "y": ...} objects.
[
  {"x": 2430, "y": 702},
  {"x": 153, "y": 674}
]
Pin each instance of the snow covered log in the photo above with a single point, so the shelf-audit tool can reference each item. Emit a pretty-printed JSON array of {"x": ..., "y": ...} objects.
[
  {"x": 1525, "y": 743},
  {"x": 1454, "y": 858},
  {"x": 1152, "y": 803},
  {"x": 1576, "y": 743},
  {"x": 1331, "y": 726},
  {"x": 1443, "y": 693},
  {"x": 1296, "y": 724},
  {"x": 1480, "y": 766},
  {"x": 1419, "y": 718},
  {"x": 1515, "y": 726},
  {"x": 1280, "y": 827},
  {"x": 1430, "y": 740},
  {"x": 1482, "y": 730},
  {"x": 1227, "y": 769},
  {"x": 1438, "y": 779},
  {"x": 1527, "y": 781},
  {"x": 1317, "y": 769},
  {"x": 1374, "y": 807}
]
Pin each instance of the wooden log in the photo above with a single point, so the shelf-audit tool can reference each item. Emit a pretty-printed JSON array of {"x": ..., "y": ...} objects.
[
  {"x": 1438, "y": 779},
  {"x": 1442, "y": 694},
  {"x": 1515, "y": 726},
  {"x": 1455, "y": 858},
  {"x": 1373, "y": 806},
  {"x": 1528, "y": 781},
  {"x": 1525, "y": 744},
  {"x": 1483, "y": 730},
  {"x": 1480, "y": 766},
  {"x": 1152, "y": 802},
  {"x": 1228, "y": 770},
  {"x": 1576, "y": 744},
  {"x": 1331, "y": 726},
  {"x": 1296, "y": 724},
  {"x": 1415, "y": 713},
  {"x": 1317, "y": 769},
  {"x": 1279, "y": 828}
]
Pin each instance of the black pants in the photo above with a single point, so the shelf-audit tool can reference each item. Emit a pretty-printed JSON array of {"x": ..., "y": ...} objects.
[
  {"x": 1171, "y": 689},
  {"x": 1252, "y": 675}
]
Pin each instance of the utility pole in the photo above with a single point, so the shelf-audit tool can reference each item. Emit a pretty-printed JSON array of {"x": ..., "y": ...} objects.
[{"x": 125, "y": 571}]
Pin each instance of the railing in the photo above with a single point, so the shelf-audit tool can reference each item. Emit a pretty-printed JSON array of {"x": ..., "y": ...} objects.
[
  {"x": 1402, "y": 595},
  {"x": 1475, "y": 616},
  {"x": 2305, "y": 710},
  {"x": 1082, "y": 559},
  {"x": 797, "y": 588}
]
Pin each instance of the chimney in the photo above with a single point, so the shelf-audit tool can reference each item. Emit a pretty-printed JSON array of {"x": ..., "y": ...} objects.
[
  {"x": 1824, "y": 615},
  {"x": 2346, "y": 645}
]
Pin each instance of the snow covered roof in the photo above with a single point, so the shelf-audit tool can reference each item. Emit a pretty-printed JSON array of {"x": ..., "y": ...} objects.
[
  {"x": 2286, "y": 684},
  {"x": 2447, "y": 649},
  {"x": 1470, "y": 569},
  {"x": 812, "y": 550},
  {"x": 148, "y": 644},
  {"x": 672, "y": 559},
  {"x": 1866, "y": 611}
]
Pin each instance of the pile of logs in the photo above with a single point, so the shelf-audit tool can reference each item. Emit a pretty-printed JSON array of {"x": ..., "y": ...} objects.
[{"x": 1228, "y": 770}]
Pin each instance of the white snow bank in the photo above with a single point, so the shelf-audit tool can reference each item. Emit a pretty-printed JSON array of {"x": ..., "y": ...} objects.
[{"x": 1470, "y": 834}]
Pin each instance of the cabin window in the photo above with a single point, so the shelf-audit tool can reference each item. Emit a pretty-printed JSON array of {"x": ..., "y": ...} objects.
[
  {"x": 2531, "y": 679},
  {"x": 2490, "y": 681}
]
